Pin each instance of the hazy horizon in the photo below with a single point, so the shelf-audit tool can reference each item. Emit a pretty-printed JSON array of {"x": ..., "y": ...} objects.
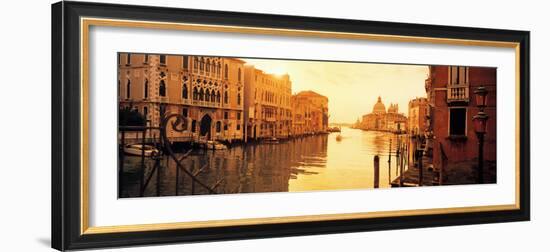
[{"x": 352, "y": 88}]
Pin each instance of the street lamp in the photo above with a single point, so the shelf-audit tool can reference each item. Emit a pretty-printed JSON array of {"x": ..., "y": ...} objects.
[
  {"x": 480, "y": 122},
  {"x": 481, "y": 97},
  {"x": 480, "y": 127}
]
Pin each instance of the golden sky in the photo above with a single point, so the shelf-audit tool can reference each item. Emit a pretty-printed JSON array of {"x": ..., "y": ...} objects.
[{"x": 352, "y": 88}]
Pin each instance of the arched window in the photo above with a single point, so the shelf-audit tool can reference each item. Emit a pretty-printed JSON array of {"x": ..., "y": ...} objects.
[
  {"x": 184, "y": 91},
  {"x": 239, "y": 99},
  {"x": 226, "y": 69},
  {"x": 145, "y": 112},
  {"x": 194, "y": 126},
  {"x": 208, "y": 65},
  {"x": 219, "y": 69},
  {"x": 218, "y": 96},
  {"x": 201, "y": 63},
  {"x": 239, "y": 75},
  {"x": 213, "y": 97},
  {"x": 185, "y": 62},
  {"x": 146, "y": 89},
  {"x": 201, "y": 94},
  {"x": 195, "y": 63},
  {"x": 162, "y": 88},
  {"x": 195, "y": 93},
  {"x": 225, "y": 98},
  {"x": 128, "y": 88},
  {"x": 207, "y": 95}
]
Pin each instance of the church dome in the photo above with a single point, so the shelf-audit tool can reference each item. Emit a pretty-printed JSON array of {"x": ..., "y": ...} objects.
[{"x": 379, "y": 107}]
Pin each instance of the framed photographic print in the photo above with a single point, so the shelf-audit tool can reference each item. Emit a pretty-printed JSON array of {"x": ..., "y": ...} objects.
[{"x": 180, "y": 125}]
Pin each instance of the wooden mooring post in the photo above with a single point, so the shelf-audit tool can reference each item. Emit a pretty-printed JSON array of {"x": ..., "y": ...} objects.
[
  {"x": 376, "y": 171},
  {"x": 420, "y": 170},
  {"x": 389, "y": 162},
  {"x": 397, "y": 159},
  {"x": 389, "y": 153},
  {"x": 121, "y": 164},
  {"x": 142, "y": 176},
  {"x": 401, "y": 165}
]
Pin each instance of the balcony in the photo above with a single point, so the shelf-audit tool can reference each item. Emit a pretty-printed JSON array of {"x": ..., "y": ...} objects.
[
  {"x": 202, "y": 103},
  {"x": 163, "y": 99},
  {"x": 458, "y": 93}
]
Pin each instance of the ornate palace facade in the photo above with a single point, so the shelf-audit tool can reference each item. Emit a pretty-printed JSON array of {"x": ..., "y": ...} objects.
[
  {"x": 221, "y": 98},
  {"x": 207, "y": 91}
]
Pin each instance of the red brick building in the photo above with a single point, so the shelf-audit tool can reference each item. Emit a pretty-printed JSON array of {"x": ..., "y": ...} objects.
[{"x": 451, "y": 99}]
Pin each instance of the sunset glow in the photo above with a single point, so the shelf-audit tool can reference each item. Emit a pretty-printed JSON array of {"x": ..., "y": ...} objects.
[{"x": 342, "y": 82}]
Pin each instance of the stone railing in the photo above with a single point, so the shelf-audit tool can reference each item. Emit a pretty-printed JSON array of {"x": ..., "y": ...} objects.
[{"x": 458, "y": 93}]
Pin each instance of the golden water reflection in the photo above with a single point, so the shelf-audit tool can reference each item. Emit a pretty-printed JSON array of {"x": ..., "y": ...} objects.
[{"x": 310, "y": 163}]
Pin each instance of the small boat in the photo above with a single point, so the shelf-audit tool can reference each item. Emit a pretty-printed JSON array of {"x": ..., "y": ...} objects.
[
  {"x": 272, "y": 140},
  {"x": 136, "y": 150},
  {"x": 339, "y": 138},
  {"x": 215, "y": 145},
  {"x": 334, "y": 129}
]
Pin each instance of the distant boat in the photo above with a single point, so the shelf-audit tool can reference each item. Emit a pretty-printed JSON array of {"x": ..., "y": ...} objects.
[
  {"x": 271, "y": 140},
  {"x": 215, "y": 145},
  {"x": 136, "y": 150},
  {"x": 334, "y": 129},
  {"x": 339, "y": 138}
]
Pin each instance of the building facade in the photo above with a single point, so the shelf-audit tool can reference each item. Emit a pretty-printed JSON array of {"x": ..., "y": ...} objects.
[
  {"x": 207, "y": 91},
  {"x": 418, "y": 116},
  {"x": 267, "y": 105},
  {"x": 450, "y": 92},
  {"x": 310, "y": 113},
  {"x": 301, "y": 116},
  {"x": 381, "y": 120}
]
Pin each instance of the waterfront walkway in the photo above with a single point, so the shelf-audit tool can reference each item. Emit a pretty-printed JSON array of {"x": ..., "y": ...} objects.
[
  {"x": 460, "y": 173},
  {"x": 412, "y": 174}
]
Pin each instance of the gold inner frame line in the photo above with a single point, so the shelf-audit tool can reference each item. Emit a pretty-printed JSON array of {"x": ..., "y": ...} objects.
[{"x": 87, "y": 22}]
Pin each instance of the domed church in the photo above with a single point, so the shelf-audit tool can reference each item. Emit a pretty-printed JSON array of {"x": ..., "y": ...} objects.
[
  {"x": 381, "y": 120},
  {"x": 379, "y": 107}
]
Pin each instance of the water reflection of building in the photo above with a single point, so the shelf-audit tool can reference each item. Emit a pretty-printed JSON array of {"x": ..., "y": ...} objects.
[
  {"x": 267, "y": 111},
  {"x": 418, "y": 116},
  {"x": 451, "y": 105},
  {"x": 208, "y": 91},
  {"x": 310, "y": 113},
  {"x": 381, "y": 120}
]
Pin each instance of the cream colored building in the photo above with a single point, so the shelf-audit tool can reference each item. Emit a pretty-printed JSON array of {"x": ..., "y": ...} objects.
[
  {"x": 267, "y": 108},
  {"x": 418, "y": 112},
  {"x": 310, "y": 113},
  {"x": 301, "y": 120},
  {"x": 207, "y": 91}
]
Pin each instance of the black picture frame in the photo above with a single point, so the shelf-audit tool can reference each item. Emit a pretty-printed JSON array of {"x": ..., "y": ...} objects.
[{"x": 66, "y": 126}]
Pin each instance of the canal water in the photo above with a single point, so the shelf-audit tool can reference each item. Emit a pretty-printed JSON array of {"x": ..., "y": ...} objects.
[{"x": 317, "y": 162}]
